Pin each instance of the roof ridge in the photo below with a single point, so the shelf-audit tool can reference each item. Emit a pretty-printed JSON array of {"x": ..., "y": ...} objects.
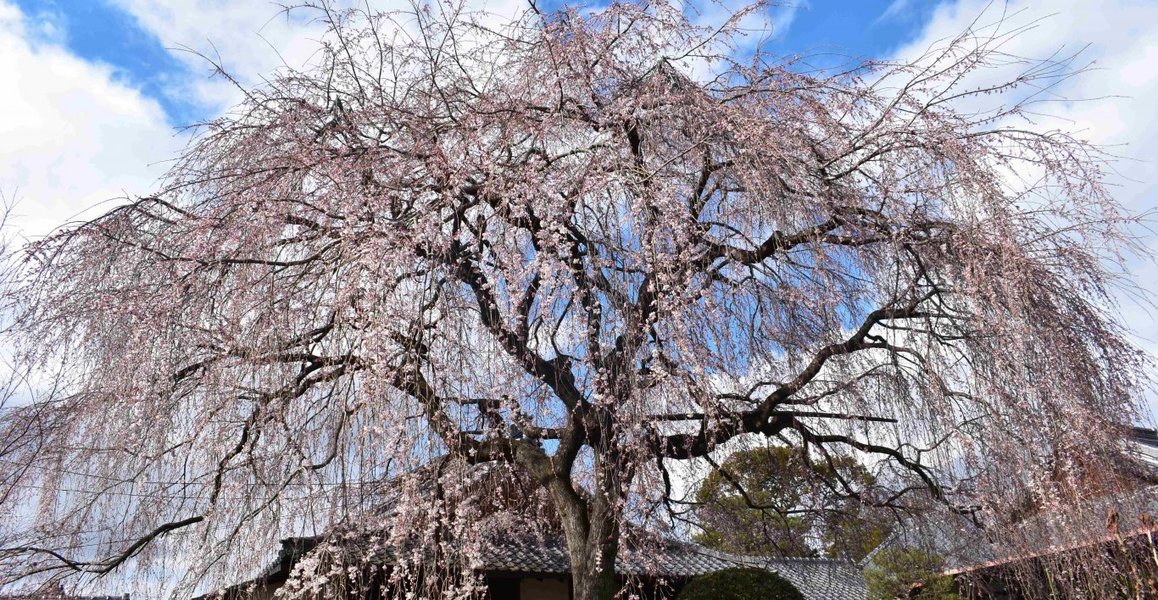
[
  {"x": 811, "y": 559},
  {"x": 742, "y": 558},
  {"x": 893, "y": 535}
]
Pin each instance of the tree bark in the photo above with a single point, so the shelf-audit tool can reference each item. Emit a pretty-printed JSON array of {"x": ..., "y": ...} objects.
[
  {"x": 591, "y": 531},
  {"x": 593, "y": 560}
]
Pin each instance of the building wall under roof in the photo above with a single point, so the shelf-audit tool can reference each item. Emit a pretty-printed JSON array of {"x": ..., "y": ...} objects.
[{"x": 544, "y": 589}]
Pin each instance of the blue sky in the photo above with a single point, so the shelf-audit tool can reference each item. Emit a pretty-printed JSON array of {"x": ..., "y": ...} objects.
[{"x": 872, "y": 28}]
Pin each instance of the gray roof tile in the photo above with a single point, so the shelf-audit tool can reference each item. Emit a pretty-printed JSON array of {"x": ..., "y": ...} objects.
[{"x": 817, "y": 579}]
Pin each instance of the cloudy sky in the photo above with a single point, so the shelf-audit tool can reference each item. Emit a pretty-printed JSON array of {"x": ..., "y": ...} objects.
[{"x": 96, "y": 92}]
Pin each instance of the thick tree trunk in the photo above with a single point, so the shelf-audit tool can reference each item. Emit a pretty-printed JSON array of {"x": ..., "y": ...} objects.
[
  {"x": 593, "y": 561},
  {"x": 591, "y": 529}
]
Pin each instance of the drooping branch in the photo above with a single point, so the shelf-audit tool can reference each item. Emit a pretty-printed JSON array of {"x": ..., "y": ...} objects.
[{"x": 109, "y": 564}]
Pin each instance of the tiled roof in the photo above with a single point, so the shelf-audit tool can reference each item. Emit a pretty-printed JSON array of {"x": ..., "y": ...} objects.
[
  {"x": 666, "y": 559},
  {"x": 966, "y": 547},
  {"x": 817, "y": 579},
  {"x": 55, "y": 592}
]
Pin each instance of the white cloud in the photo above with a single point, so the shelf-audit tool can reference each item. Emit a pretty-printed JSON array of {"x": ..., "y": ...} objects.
[
  {"x": 71, "y": 135},
  {"x": 252, "y": 39},
  {"x": 894, "y": 9},
  {"x": 1112, "y": 104},
  {"x": 755, "y": 29}
]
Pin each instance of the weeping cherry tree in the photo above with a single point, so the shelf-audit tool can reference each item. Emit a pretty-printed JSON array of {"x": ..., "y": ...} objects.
[{"x": 584, "y": 249}]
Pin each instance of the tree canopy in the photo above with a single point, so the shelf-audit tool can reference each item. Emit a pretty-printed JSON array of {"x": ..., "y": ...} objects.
[
  {"x": 584, "y": 246},
  {"x": 908, "y": 573},
  {"x": 775, "y": 501}
]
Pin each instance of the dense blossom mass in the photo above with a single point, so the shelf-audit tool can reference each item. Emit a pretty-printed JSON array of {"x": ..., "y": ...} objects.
[{"x": 583, "y": 248}]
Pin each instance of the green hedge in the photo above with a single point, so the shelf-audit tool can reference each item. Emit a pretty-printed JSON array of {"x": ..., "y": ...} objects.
[{"x": 740, "y": 584}]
